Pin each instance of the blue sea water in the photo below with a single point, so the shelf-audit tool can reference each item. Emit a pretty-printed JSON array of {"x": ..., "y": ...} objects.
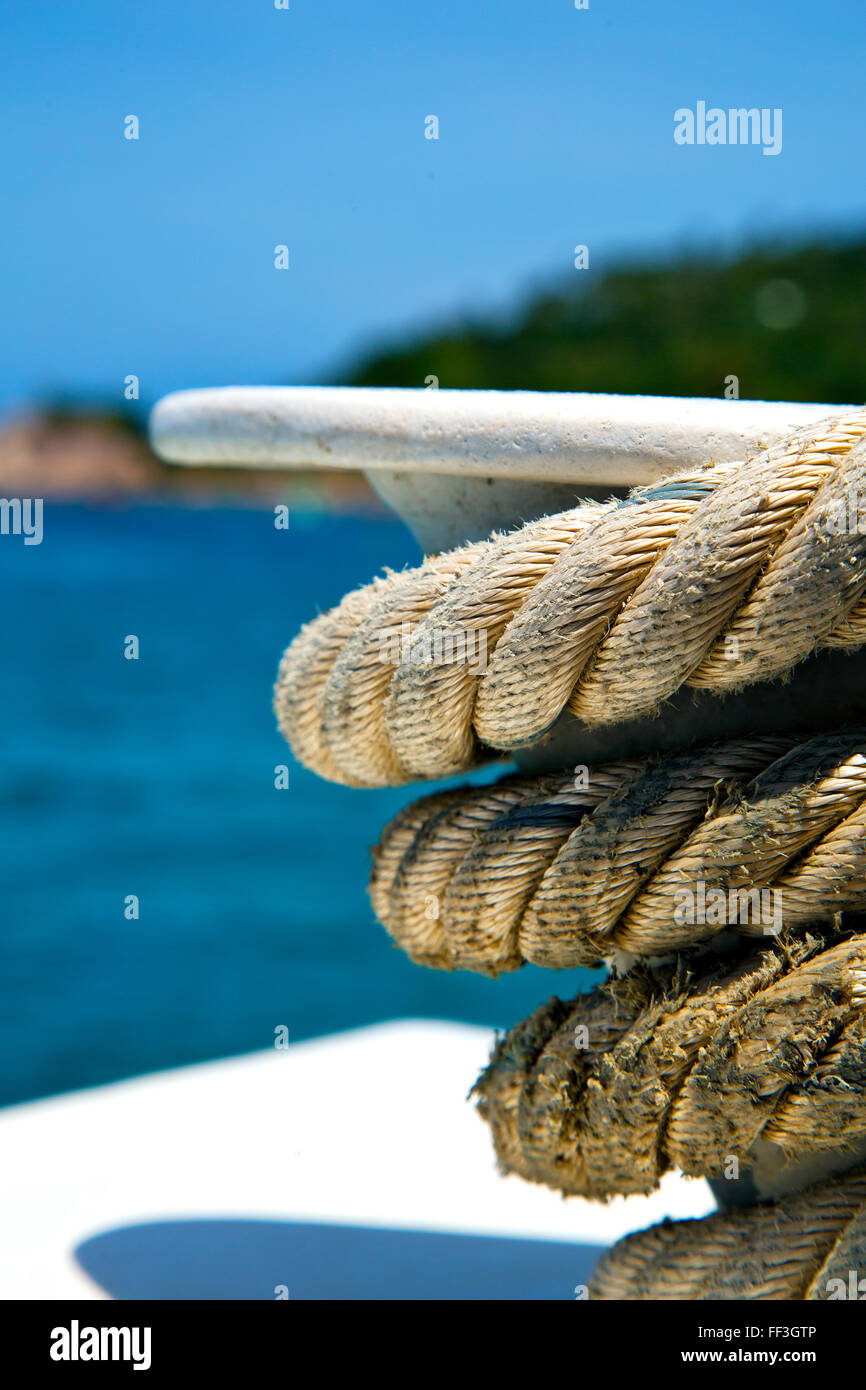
[{"x": 155, "y": 777}]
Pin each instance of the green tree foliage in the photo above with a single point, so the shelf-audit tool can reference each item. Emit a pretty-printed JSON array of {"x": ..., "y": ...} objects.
[{"x": 789, "y": 323}]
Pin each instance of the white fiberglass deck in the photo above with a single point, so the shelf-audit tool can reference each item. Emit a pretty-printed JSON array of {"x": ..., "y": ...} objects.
[{"x": 347, "y": 1167}]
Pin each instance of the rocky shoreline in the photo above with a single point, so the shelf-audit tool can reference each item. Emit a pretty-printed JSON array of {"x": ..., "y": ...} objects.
[{"x": 91, "y": 456}]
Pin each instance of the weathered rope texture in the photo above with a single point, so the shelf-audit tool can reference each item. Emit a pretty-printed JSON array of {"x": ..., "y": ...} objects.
[
  {"x": 660, "y": 1069},
  {"x": 805, "y": 1247},
  {"x": 716, "y": 578},
  {"x": 631, "y": 860}
]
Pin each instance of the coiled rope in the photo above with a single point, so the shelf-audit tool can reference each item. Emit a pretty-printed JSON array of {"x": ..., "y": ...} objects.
[
  {"x": 805, "y": 1247},
  {"x": 662, "y": 1069},
  {"x": 751, "y": 837},
  {"x": 716, "y": 578}
]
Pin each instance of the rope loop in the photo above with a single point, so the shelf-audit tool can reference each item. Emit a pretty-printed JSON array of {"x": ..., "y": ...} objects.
[
  {"x": 633, "y": 862},
  {"x": 687, "y": 1069},
  {"x": 809, "y": 1247},
  {"x": 714, "y": 578}
]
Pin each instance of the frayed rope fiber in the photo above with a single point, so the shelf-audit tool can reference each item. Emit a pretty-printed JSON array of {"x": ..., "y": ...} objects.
[
  {"x": 805, "y": 1247},
  {"x": 629, "y": 860},
  {"x": 716, "y": 578},
  {"x": 665, "y": 1068}
]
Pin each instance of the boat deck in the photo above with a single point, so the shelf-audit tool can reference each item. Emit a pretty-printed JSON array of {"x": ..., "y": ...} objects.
[{"x": 250, "y": 1178}]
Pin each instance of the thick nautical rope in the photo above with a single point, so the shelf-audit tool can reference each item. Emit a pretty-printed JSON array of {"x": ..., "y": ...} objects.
[
  {"x": 810, "y": 1246},
  {"x": 716, "y": 578},
  {"x": 660, "y": 1069},
  {"x": 628, "y": 860}
]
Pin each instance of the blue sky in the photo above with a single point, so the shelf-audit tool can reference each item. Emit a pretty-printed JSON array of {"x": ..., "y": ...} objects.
[{"x": 306, "y": 127}]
